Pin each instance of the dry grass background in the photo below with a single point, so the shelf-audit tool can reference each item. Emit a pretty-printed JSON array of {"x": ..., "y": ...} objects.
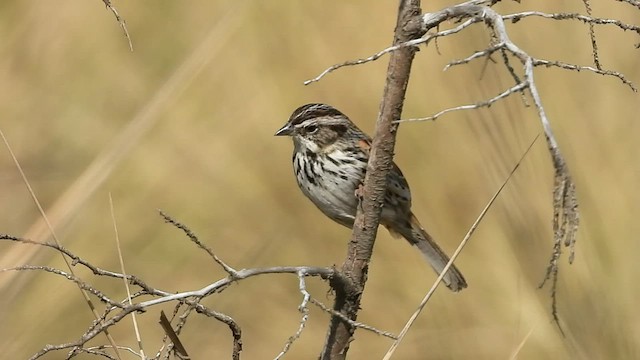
[{"x": 185, "y": 124}]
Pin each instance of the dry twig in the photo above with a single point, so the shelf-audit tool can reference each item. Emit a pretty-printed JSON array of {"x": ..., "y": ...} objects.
[
  {"x": 304, "y": 309},
  {"x": 116, "y": 310},
  {"x": 231, "y": 271},
  {"x": 120, "y": 21}
]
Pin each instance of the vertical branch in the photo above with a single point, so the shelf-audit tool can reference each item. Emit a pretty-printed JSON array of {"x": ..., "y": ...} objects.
[{"x": 356, "y": 265}]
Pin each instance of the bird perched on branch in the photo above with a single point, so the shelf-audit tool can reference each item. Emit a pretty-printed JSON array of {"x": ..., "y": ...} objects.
[{"x": 330, "y": 156}]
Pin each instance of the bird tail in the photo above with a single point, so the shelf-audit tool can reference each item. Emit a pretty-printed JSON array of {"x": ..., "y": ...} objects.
[{"x": 416, "y": 235}]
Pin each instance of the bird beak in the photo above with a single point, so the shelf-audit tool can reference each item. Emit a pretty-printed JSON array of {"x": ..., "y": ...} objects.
[{"x": 286, "y": 130}]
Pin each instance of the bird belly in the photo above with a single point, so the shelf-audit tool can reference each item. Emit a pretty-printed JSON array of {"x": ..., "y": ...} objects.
[{"x": 330, "y": 185}]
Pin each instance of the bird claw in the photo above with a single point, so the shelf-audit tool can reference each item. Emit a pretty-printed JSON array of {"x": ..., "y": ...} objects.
[{"x": 359, "y": 193}]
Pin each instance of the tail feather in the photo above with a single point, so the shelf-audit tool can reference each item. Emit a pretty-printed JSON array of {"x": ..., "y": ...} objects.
[{"x": 416, "y": 235}]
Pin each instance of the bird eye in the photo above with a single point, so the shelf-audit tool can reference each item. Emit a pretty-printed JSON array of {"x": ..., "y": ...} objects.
[{"x": 312, "y": 129}]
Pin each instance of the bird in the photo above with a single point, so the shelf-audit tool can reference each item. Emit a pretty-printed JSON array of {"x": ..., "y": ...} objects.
[{"x": 330, "y": 155}]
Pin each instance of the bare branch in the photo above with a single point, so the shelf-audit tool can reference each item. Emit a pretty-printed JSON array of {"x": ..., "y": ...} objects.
[
  {"x": 356, "y": 265},
  {"x": 79, "y": 282},
  {"x": 390, "y": 49},
  {"x": 487, "y": 103},
  {"x": 231, "y": 271},
  {"x": 221, "y": 284},
  {"x": 564, "y": 188},
  {"x": 635, "y": 3},
  {"x": 120, "y": 21},
  {"x": 190, "y": 298},
  {"x": 93, "y": 331},
  {"x": 592, "y": 36},
  {"x": 572, "y": 16},
  {"x": 351, "y": 322},
  {"x": 475, "y": 55},
  {"x": 236, "y": 332},
  {"x": 75, "y": 260},
  {"x": 567, "y": 66},
  {"x": 304, "y": 309},
  {"x": 565, "y": 201},
  {"x": 102, "y": 347},
  {"x": 472, "y": 9},
  {"x": 94, "y": 351}
]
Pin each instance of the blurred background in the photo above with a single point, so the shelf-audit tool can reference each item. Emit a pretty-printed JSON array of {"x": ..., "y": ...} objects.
[{"x": 185, "y": 124}]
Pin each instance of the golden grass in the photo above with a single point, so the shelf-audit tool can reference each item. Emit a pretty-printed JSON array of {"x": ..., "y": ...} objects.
[{"x": 185, "y": 124}]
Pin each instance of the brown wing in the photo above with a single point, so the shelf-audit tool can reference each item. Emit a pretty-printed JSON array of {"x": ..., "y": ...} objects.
[
  {"x": 398, "y": 196},
  {"x": 398, "y": 192}
]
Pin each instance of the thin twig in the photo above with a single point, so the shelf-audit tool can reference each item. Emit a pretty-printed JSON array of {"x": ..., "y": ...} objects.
[
  {"x": 475, "y": 55},
  {"x": 124, "y": 276},
  {"x": 507, "y": 63},
  {"x": 78, "y": 350},
  {"x": 572, "y": 16},
  {"x": 75, "y": 260},
  {"x": 242, "y": 274},
  {"x": 304, "y": 309},
  {"x": 69, "y": 276},
  {"x": 567, "y": 66},
  {"x": 190, "y": 298},
  {"x": 120, "y": 21},
  {"x": 635, "y": 3},
  {"x": 355, "y": 324},
  {"x": 390, "y": 49},
  {"x": 236, "y": 332},
  {"x": 592, "y": 36},
  {"x": 101, "y": 347},
  {"x": 487, "y": 103},
  {"x": 231, "y": 271}
]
